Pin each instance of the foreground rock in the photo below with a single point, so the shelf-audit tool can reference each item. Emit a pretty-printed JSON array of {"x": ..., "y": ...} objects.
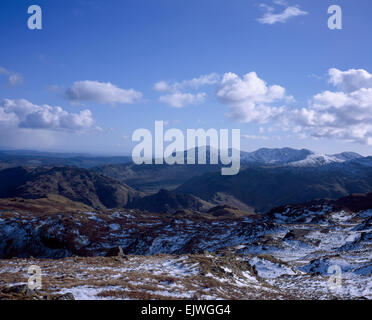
[
  {"x": 201, "y": 277},
  {"x": 291, "y": 252},
  {"x": 23, "y": 292}
]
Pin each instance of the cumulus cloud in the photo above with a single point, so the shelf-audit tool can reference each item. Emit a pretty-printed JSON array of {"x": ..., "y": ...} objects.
[
  {"x": 14, "y": 79},
  {"x": 344, "y": 114},
  {"x": 249, "y": 97},
  {"x": 24, "y": 114},
  {"x": 272, "y": 17},
  {"x": 248, "y": 88},
  {"x": 101, "y": 92},
  {"x": 180, "y": 100},
  {"x": 350, "y": 80}
]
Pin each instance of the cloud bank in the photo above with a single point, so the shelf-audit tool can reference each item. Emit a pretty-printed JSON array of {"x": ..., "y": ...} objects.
[{"x": 345, "y": 113}]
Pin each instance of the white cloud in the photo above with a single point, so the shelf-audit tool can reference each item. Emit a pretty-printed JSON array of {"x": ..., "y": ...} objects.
[
  {"x": 271, "y": 17},
  {"x": 161, "y": 86},
  {"x": 249, "y": 88},
  {"x": 249, "y": 97},
  {"x": 204, "y": 80},
  {"x": 345, "y": 114},
  {"x": 180, "y": 100},
  {"x": 23, "y": 114},
  {"x": 251, "y": 112},
  {"x": 14, "y": 79},
  {"x": 195, "y": 83},
  {"x": 101, "y": 92},
  {"x": 350, "y": 80},
  {"x": 177, "y": 98}
]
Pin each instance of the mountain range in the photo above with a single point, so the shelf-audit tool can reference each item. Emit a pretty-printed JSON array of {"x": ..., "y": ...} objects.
[
  {"x": 268, "y": 178},
  {"x": 266, "y": 187},
  {"x": 288, "y": 156}
]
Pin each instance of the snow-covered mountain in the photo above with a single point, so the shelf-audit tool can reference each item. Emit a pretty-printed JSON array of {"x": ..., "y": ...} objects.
[
  {"x": 315, "y": 160},
  {"x": 294, "y": 157},
  {"x": 275, "y": 156},
  {"x": 346, "y": 156}
]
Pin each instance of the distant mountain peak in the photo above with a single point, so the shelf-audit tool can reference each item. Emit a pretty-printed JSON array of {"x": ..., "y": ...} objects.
[
  {"x": 324, "y": 159},
  {"x": 348, "y": 156},
  {"x": 275, "y": 156}
]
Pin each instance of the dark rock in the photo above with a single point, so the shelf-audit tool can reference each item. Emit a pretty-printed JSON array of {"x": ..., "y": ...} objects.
[
  {"x": 19, "y": 289},
  {"x": 66, "y": 296},
  {"x": 296, "y": 234}
]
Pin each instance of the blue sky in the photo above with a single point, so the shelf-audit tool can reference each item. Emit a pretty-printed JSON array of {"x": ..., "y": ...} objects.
[{"x": 123, "y": 48}]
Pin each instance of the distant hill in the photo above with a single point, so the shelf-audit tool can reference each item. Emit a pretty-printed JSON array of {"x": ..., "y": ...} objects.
[
  {"x": 153, "y": 178},
  {"x": 71, "y": 186},
  {"x": 10, "y": 159},
  {"x": 72, "y": 183},
  {"x": 266, "y": 187}
]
